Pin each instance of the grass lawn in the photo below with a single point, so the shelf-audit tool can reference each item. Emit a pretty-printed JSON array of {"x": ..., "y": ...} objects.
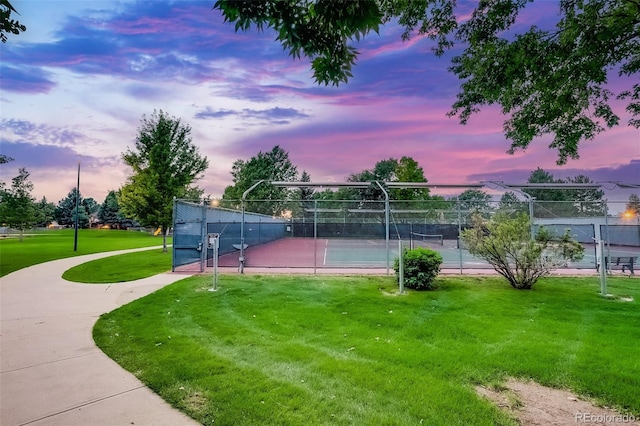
[
  {"x": 57, "y": 244},
  {"x": 296, "y": 350},
  {"x": 121, "y": 268}
]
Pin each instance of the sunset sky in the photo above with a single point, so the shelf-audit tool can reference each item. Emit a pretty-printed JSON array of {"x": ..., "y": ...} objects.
[{"x": 75, "y": 85}]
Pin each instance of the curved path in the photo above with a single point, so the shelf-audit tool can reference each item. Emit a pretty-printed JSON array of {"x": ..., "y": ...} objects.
[{"x": 52, "y": 373}]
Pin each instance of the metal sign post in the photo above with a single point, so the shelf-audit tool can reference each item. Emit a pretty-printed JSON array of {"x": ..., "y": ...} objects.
[{"x": 213, "y": 242}]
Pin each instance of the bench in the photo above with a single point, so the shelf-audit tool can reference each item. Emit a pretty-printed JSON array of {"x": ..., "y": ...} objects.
[{"x": 620, "y": 262}]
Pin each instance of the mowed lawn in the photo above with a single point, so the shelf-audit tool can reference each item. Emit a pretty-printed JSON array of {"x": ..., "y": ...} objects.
[
  {"x": 121, "y": 268},
  {"x": 298, "y": 350},
  {"x": 44, "y": 246}
]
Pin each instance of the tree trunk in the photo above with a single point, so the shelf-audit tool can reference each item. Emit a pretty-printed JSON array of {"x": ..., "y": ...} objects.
[{"x": 164, "y": 239}]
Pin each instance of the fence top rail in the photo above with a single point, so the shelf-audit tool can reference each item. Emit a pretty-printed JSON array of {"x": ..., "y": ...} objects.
[
  {"x": 408, "y": 185},
  {"x": 324, "y": 210}
]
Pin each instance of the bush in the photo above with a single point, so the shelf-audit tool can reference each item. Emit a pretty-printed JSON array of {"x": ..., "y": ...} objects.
[
  {"x": 421, "y": 267},
  {"x": 507, "y": 244}
]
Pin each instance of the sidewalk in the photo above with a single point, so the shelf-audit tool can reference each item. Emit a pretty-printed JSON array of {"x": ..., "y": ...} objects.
[{"x": 51, "y": 372}]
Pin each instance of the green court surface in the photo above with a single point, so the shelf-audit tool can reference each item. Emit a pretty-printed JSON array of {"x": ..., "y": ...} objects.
[{"x": 377, "y": 253}]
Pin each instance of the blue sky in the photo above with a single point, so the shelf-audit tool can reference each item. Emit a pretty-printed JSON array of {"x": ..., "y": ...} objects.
[{"x": 75, "y": 86}]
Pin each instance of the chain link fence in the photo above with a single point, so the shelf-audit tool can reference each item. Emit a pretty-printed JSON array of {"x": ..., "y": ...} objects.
[{"x": 338, "y": 234}]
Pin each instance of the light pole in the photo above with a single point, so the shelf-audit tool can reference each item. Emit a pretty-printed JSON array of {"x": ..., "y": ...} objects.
[{"x": 75, "y": 235}]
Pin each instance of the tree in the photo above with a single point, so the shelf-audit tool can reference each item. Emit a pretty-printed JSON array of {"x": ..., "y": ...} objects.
[
  {"x": 304, "y": 192},
  {"x": 164, "y": 164},
  {"x": 546, "y": 81},
  {"x": 91, "y": 207},
  {"x": 408, "y": 170},
  {"x": 65, "y": 212},
  {"x": 392, "y": 170},
  {"x": 473, "y": 200},
  {"x": 193, "y": 193},
  {"x": 8, "y": 25},
  {"x": 305, "y": 195},
  {"x": 384, "y": 170},
  {"x": 274, "y": 165},
  {"x": 510, "y": 202},
  {"x": 3, "y": 160},
  {"x": 45, "y": 212},
  {"x": 586, "y": 202},
  {"x": 507, "y": 245},
  {"x": 109, "y": 212},
  {"x": 557, "y": 202},
  {"x": 17, "y": 206},
  {"x": 633, "y": 206}
]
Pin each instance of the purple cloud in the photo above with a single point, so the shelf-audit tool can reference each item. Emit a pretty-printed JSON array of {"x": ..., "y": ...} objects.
[
  {"x": 275, "y": 115},
  {"x": 210, "y": 113},
  {"x": 25, "y": 79},
  {"x": 38, "y": 157},
  {"x": 37, "y": 134},
  {"x": 627, "y": 173}
]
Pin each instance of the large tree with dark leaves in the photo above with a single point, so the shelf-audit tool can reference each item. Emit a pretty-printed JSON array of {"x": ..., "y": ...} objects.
[
  {"x": 547, "y": 82},
  {"x": 7, "y": 24},
  {"x": 165, "y": 163},
  {"x": 273, "y": 165}
]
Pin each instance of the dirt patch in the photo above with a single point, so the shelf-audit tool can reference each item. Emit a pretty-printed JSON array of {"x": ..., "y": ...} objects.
[{"x": 535, "y": 405}]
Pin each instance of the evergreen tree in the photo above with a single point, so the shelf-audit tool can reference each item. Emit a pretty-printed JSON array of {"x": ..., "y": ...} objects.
[
  {"x": 305, "y": 195},
  {"x": 45, "y": 212},
  {"x": 109, "y": 212},
  {"x": 65, "y": 212}
]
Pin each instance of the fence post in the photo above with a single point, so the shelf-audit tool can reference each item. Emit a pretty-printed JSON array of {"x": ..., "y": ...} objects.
[
  {"x": 606, "y": 227},
  {"x": 315, "y": 235},
  {"x": 401, "y": 267},
  {"x": 173, "y": 249},
  {"x": 603, "y": 269},
  {"x": 459, "y": 232},
  {"x": 244, "y": 197},
  {"x": 386, "y": 221},
  {"x": 203, "y": 237}
]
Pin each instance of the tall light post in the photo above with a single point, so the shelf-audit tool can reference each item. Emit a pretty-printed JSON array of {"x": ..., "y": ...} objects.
[{"x": 75, "y": 235}]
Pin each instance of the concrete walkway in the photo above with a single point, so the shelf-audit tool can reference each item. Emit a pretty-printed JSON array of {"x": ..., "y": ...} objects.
[{"x": 52, "y": 373}]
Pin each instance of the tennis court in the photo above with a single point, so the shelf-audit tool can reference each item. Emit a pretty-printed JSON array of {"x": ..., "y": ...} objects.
[
  {"x": 372, "y": 253},
  {"x": 348, "y": 237},
  {"x": 340, "y": 253}
]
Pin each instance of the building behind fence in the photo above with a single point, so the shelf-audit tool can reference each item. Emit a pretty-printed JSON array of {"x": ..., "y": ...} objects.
[{"x": 368, "y": 234}]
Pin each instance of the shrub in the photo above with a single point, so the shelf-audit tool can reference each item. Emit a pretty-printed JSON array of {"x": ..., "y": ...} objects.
[
  {"x": 506, "y": 243},
  {"x": 421, "y": 267}
]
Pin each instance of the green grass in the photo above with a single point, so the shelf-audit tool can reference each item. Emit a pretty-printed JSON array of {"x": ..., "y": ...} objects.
[
  {"x": 121, "y": 268},
  {"x": 52, "y": 245},
  {"x": 295, "y": 350}
]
